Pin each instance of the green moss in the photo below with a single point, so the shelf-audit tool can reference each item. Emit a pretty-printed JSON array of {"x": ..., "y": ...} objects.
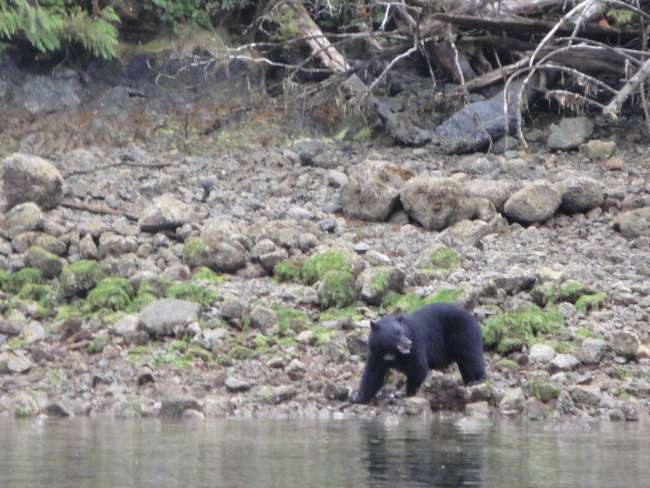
[
  {"x": 206, "y": 274},
  {"x": 196, "y": 252},
  {"x": 240, "y": 353},
  {"x": 262, "y": 343},
  {"x": 323, "y": 335},
  {"x": 99, "y": 342},
  {"x": 286, "y": 342},
  {"x": 291, "y": 319},
  {"x": 336, "y": 314},
  {"x": 591, "y": 302},
  {"x": 4, "y": 279},
  {"x": 445, "y": 259},
  {"x": 337, "y": 289},
  {"x": 178, "y": 345},
  {"x": 80, "y": 276},
  {"x": 192, "y": 293},
  {"x": 64, "y": 312},
  {"x": 511, "y": 331},
  {"x": 15, "y": 343},
  {"x": 544, "y": 390},
  {"x": 286, "y": 271},
  {"x": 318, "y": 265},
  {"x": 507, "y": 364},
  {"x": 380, "y": 279},
  {"x": 110, "y": 294},
  {"x": 15, "y": 282},
  {"x": 43, "y": 295},
  {"x": 409, "y": 302},
  {"x": 172, "y": 359},
  {"x": 571, "y": 291}
]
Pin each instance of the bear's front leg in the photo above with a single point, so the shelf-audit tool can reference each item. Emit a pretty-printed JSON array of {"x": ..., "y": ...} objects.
[
  {"x": 415, "y": 377},
  {"x": 372, "y": 379}
]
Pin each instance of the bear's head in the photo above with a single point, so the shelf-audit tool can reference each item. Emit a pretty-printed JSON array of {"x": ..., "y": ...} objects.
[{"x": 388, "y": 337}]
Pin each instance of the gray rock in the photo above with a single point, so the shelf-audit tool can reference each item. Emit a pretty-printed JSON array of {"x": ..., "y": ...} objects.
[
  {"x": 278, "y": 394},
  {"x": 336, "y": 179},
  {"x": 295, "y": 369},
  {"x": 535, "y": 202},
  {"x": 315, "y": 153},
  {"x": 126, "y": 326},
  {"x": 372, "y": 191},
  {"x": 174, "y": 407},
  {"x": 57, "y": 410},
  {"x": 116, "y": 245},
  {"x": 496, "y": 191},
  {"x": 33, "y": 332},
  {"x": 436, "y": 202},
  {"x": 375, "y": 283},
  {"x": 51, "y": 244},
  {"x": 167, "y": 316},
  {"x": 570, "y": 133},
  {"x": 165, "y": 213},
  {"x": 585, "y": 396},
  {"x": 263, "y": 317},
  {"x": 29, "y": 178},
  {"x": 634, "y": 223},
  {"x": 18, "y": 364},
  {"x": 564, "y": 362},
  {"x": 50, "y": 264},
  {"x": 191, "y": 415},
  {"x": 513, "y": 400},
  {"x": 235, "y": 385},
  {"x": 625, "y": 343},
  {"x": 24, "y": 217},
  {"x": 598, "y": 150},
  {"x": 228, "y": 257},
  {"x": 45, "y": 94},
  {"x": 271, "y": 259},
  {"x": 233, "y": 307},
  {"x": 581, "y": 194},
  {"x": 414, "y": 406},
  {"x": 541, "y": 354},
  {"x": 332, "y": 391},
  {"x": 13, "y": 324},
  {"x": 210, "y": 339},
  {"x": 592, "y": 351}
]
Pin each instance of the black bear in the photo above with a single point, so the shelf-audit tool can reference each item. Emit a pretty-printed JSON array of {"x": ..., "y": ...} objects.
[{"x": 432, "y": 337}]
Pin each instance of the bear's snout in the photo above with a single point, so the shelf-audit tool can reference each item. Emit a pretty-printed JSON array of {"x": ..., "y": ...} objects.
[{"x": 404, "y": 345}]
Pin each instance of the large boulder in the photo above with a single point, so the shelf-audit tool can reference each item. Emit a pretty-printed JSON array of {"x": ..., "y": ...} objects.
[
  {"x": 168, "y": 316},
  {"x": 165, "y": 213},
  {"x": 31, "y": 179},
  {"x": 436, "y": 203},
  {"x": 375, "y": 283},
  {"x": 496, "y": 191},
  {"x": 372, "y": 191},
  {"x": 580, "y": 194},
  {"x": 535, "y": 202},
  {"x": 635, "y": 223},
  {"x": 24, "y": 217}
]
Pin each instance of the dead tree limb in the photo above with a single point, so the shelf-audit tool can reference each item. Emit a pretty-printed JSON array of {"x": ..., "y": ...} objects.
[{"x": 614, "y": 107}]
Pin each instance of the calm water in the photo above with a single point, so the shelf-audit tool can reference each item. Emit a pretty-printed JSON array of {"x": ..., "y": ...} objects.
[{"x": 253, "y": 453}]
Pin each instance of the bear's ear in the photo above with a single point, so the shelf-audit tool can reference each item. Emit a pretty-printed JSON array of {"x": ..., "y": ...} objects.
[{"x": 373, "y": 325}]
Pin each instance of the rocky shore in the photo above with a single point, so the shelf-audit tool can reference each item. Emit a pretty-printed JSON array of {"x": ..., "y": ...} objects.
[{"x": 162, "y": 256}]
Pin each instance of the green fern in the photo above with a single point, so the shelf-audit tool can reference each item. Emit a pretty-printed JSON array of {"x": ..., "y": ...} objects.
[{"x": 49, "y": 24}]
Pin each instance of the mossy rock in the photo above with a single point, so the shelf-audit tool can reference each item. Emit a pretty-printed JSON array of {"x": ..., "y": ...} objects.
[
  {"x": 50, "y": 264},
  {"x": 338, "y": 314},
  {"x": 14, "y": 282},
  {"x": 99, "y": 342},
  {"x": 79, "y": 277},
  {"x": 571, "y": 291},
  {"x": 445, "y": 259},
  {"x": 375, "y": 283},
  {"x": 318, "y": 265},
  {"x": 197, "y": 253},
  {"x": 410, "y": 302},
  {"x": 337, "y": 289},
  {"x": 110, "y": 294},
  {"x": 192, "y": 293},
  {"x": 44, "y": 295},
  {"x": 286, "y": 271},
  {"x": 512, "y": 331},
  {"x": 594, "y": 301},
  {"x": 240, "y": 353},
  {"x": 291, "y": 320},
  {"x": 207, "y": 275}
]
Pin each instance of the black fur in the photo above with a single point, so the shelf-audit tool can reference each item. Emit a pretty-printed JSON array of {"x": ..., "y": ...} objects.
[{"x": 439, "y": 335}]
